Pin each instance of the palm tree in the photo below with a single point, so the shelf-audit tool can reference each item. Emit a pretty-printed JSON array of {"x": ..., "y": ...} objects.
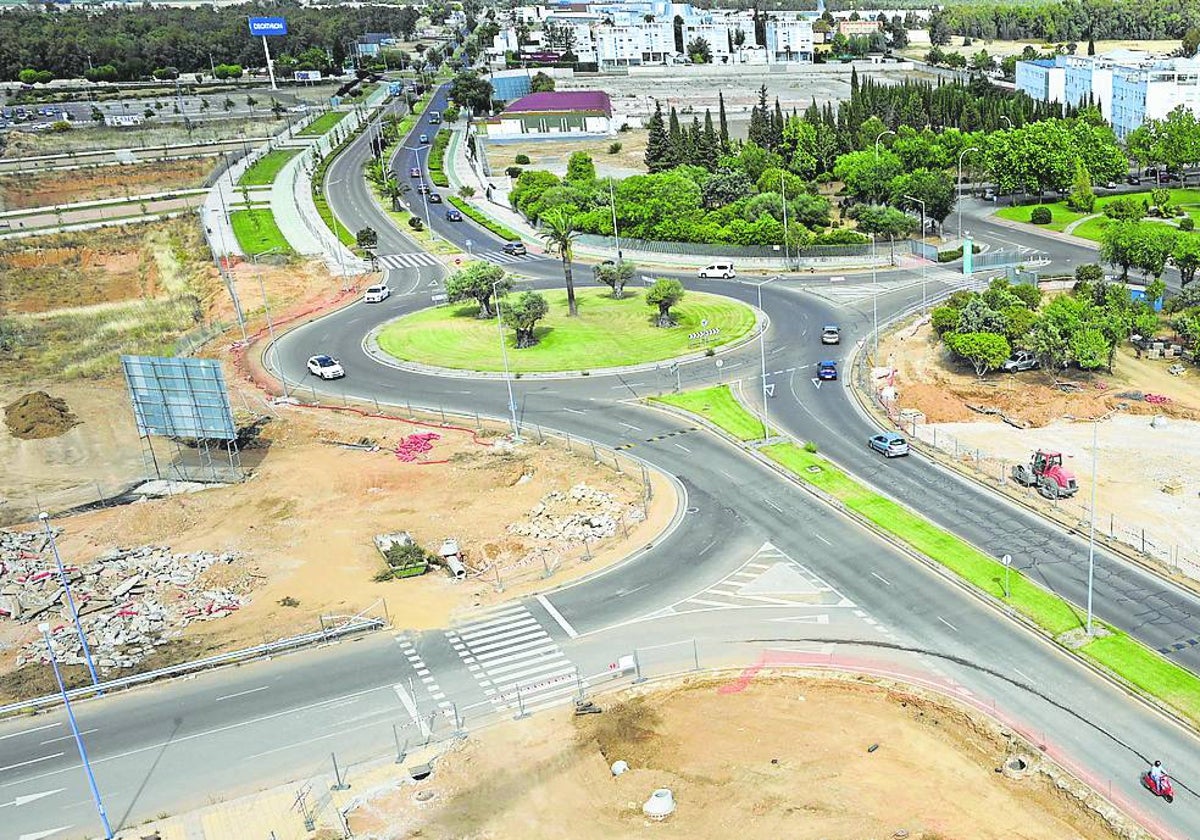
[
  {"x": 393, "y": 188},
  {"x": 558, "y": 229}
]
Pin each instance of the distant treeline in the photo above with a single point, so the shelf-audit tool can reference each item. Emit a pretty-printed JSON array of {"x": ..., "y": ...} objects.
[
  {"x": 1073, "y": 20},
  {"x": 137, "y": 40}
]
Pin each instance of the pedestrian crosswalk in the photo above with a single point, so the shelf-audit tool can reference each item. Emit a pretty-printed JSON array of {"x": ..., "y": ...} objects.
[
  {"x": 514, "y": 660},
  {"x": 860, "y": 289},
  {"x": 421, "y": 258}
]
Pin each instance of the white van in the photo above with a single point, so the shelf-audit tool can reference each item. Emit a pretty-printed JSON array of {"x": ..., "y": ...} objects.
[{"x": 722, "y": 270}]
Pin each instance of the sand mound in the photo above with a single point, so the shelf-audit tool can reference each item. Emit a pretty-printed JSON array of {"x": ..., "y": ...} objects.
[{"x": 38, "y": 415}]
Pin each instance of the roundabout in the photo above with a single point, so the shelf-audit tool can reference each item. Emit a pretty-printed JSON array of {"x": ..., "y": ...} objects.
[{"x": 607, "y": 333}]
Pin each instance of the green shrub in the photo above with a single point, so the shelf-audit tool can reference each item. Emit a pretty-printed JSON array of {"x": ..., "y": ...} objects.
[
  {"x": 478, "y": 217},
  {"x": 522, "y": 159},
  {"x": 1187, "y": 223},
  {"x": 513, "y": 171},
  {"x": 944, "y": 319},
  {"x": 415, "y": 223},
  {"x": 1041, "y": 216},
  {"x": 613, "y": 148},
  {"x": 950, "y": 256}
]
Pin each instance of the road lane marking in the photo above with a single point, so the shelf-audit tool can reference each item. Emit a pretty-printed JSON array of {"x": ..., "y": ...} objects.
[
  {"x": 30, "y": 761},
  {"x": 1022, "y": 674},
  {"x": 882, "y": 578},
  {"x": 241, "y": 693},
  {"x": 67, "y": 737},
  {"x": 772, "y": 504},
  {"x": 28, "y": 731},
  {"x": 948, "y": 624},
  {"x": 684, "y": 448},
  {"x": 411, "y": 706},
  {"x": 631, "y": 426},
  {"x": 31, "y": 797},
  {"x": 39, "y": 835},
  {"x": 624, "y": 592},
  {"x": 707, "y": 548},
  {"x": 822, "y": 539},
  {"x": 574, "y": 410}
]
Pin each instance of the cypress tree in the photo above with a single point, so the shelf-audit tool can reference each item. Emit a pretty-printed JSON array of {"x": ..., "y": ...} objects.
[
  {"x": 853, "y": 81},
  {"x": 708, "y": 148},
  {"x": 676, "y": 150},
  {"x": 693, "y": 140},
  {"x": 657, "y": 150},
  {"x": 777, "y": 127},
  {"x": 724, "y": 123},
  {"x": 760, "y": 121}
]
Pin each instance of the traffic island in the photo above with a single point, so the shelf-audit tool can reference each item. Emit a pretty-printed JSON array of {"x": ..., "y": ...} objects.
[{"x": 607, "y": 334}]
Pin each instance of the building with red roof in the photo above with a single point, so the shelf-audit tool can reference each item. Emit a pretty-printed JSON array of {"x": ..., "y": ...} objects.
[{"x": 554, "y": 113}]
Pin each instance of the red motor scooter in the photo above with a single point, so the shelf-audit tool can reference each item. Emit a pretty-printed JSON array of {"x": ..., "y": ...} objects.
[{"x": 1164, "y": 788}]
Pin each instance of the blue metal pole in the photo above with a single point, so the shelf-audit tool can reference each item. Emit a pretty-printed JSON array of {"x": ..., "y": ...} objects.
[
  {"x": 83, "y": 756},
  {"x": 62, "y": 576}
]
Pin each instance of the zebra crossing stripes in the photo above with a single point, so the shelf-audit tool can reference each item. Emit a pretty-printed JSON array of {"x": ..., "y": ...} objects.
[
  {"x": 421, "y": 258},
  {"x": 514, "y": 660},
  {"x": 418, "y": 664}
]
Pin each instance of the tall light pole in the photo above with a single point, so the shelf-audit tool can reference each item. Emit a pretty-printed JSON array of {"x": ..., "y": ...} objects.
[
  {"x": 762, "y": 347},
  {"x": 83, "y": 756},
  {"x": 882, "y": 134},
  {"x": 66, "y": 585},
  {"x": 922, "y": 241},
  {"x": 1092, "y": 516},
  {"x": 874, "y": 300},
  {"x": 960, "y": 160},
  {"x": 783, "y": 192},
  {"x": 512, "y": 403},
  {"x": 416, "y": 150},
  {"x": 267, "y": 308},
  {"x": 612, "y": 202}
]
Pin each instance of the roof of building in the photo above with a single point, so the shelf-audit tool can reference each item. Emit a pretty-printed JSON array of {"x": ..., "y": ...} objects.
[{"x": 566, "y": 100}]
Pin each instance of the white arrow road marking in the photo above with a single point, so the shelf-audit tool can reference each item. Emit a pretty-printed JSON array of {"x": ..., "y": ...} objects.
[
  {"x": 38, "y": 835},
  {"x": 31, "y": 797},
  {"x": 803, "y": 619},
  {"x": 411, "y": 706}
]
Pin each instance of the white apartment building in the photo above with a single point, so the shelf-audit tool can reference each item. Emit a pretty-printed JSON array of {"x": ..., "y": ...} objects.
[
  {"x": 1150, "y": 93},
  {"x": 634, "y": 44},
  {"x": 719, "y": 36},
  {"x": 788, "y": 40},
  {"x": 1043, "y": 80}
]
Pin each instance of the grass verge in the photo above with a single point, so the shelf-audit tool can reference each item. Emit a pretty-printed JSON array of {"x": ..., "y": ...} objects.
[
  {"x": 1062, "y": 216},
  {"x": 483, "y": 220},
  {"x": 607, "y": 333},
  {"x": 256, "y": 232},
  {"x": 718, "y": 406},
  {"x": 264, "y": 170},
  {"x": 1122, "y": 655},
  {"x": 322, "y": 124},
  {"x": 437, "y": 157}
]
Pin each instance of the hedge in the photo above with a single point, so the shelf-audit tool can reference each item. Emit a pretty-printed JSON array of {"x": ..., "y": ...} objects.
[
  {"x": 437, "y": 155},
  {"x": 484, "y": 220}
]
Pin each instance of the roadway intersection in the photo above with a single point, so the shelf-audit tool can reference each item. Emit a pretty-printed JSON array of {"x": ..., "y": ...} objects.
[{"x": 754, "y": 566}]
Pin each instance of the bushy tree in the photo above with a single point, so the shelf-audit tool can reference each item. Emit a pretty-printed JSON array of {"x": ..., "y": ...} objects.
[
  {"x": 479, "y": 281},
  {"x": 985, "y": 351},
  {"x": 664, "y": 294},
  {"x": 541, "y": 83},
  {"x": 1125, "y": 209},
  {"x": 523, "y": 314},
  {"x": 580, "y": 168},
  {"x": 978, "y": 317},
  {"x": 615, "y": 276},
  {"x": 1082, "y": 198}
]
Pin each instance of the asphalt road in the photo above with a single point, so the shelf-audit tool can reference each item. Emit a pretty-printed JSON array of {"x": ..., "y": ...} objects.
[{"x": 680, "y": 602}]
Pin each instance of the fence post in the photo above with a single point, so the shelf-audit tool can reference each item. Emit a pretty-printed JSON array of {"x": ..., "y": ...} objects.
[
  {"x": 401, "y": 752},
  {"x": 695, "y": 655},
  {"x": 521, "y": 713},
  {"x": 595, "y": 454},
  {"x": 337, "y": 775},
  {"x": 541, "y": 438},
  {"x": 637, "y": 668}
]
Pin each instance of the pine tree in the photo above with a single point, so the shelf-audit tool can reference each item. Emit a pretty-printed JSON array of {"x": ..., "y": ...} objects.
[
  {"x": 693, "y": 140},
  {"x": 657, "y": 151},
  {"x": 724, "y": 123},
  {"x": 760, "y": 121},
  {"x": 675, "y": 142},
  {"x": 708, "y": 148}
]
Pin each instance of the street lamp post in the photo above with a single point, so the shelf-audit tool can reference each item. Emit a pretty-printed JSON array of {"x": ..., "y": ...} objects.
[
  {"x": 783, "y": 192},
  {"x": 612, "y": 202},
  {"x": 512, "y": 403},
  {"x": 960, "y": 161},
  {"x": 762, "y": 347},
  {"x": 83, "y": 756},
  {"x": 66, "y": 585},
  {"x": 882, "y": 134},
  {"x": 924, "y": 261},
  {"x": 1092, "y": 517},
  {"x": 267, "y": 310}
]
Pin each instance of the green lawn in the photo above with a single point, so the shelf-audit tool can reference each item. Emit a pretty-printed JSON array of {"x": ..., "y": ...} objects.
[
  {"x": 607, "y": 333},
  {"x": 1059, "y": 214},
  {"x": 322, "y": 124},
  {"x": 718, "y": 406},
  {"x": 1092, "y": 229},
  {"x": 264, "y": 170},
  {"x": 1124, "y": 656},
  {"x": 257, "y": 232}
]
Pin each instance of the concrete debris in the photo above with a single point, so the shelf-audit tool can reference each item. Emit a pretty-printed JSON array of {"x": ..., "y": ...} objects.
[
  {"x": 582, "y": 513},
  {"x": 130, "y": 600}
]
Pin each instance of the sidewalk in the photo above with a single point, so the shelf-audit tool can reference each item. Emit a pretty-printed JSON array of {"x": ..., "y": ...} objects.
[{"x": 291, "y": 195}]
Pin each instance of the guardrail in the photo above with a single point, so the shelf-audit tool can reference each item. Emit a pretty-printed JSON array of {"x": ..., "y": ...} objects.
[{"x": 358, "y": 624}]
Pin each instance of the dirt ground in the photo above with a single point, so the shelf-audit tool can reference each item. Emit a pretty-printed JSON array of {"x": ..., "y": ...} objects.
[
  {"x": 18, "y": 192},
  {"x": 28, "y": 144},
  {"x": 786, "y": 757},
  {"x": 553, "y": 155},
  {"x": 305, "y": 520},
  {"x": 1148, "y": 477}
]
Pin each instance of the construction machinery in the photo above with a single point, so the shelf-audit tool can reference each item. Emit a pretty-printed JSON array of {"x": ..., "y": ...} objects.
[{"x": 1046, "y": 472}]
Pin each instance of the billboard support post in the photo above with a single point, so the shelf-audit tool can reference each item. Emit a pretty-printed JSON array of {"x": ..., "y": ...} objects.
[
  {"x": 266, "y": 27},
  {"x": 270, "y": 64}
]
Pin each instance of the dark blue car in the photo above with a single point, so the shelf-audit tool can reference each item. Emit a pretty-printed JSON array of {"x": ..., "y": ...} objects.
[{"x": 827, "y": 370}]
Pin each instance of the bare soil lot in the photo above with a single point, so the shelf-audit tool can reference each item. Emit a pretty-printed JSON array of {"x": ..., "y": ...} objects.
[
  {"x": 26, "y": 143},
  {"x": 786, "y": 757},
  {"x": 18, "y": 192},
  {"x": 303, "y": 524},
  {"x": 1147, "y": 476},
  {"x": 553, "y": 155}
]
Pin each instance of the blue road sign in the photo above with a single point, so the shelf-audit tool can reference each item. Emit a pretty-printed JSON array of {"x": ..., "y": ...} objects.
[{"x": 268, "y": 26}]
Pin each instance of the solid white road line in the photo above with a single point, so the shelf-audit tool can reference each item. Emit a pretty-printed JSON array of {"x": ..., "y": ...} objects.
[
  {"x": 67, "y": 737},
  {"x": 882, "y": 578},
  {"x": 241, "y": 693},
  {"x": 772, "y": 504},
  {"x": 557, "y": 616},
  {"x": 948, "y": 624},
  {"x": 822, "y": 539},
  {"x": 30, "y": 761},
  {"x": 28, "y": 731}
]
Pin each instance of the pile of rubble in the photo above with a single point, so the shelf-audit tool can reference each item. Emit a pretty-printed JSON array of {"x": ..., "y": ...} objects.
[
  {"x": 130, "y": 600},
  {"x": 582, "y": 513}
]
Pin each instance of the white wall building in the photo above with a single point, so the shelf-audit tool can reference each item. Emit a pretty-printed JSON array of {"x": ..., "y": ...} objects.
[
  {"x": 634, "y": 44},
  {"x": 1150, "y": 93},
  {"x": 788, "y": 39},
  {"x": 1042, "y": 80}
]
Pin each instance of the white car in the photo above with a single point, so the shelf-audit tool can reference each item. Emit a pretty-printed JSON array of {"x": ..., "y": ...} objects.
[
  {"x": 377, "y": 294},
  {"x": 325, "y": 367}
]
